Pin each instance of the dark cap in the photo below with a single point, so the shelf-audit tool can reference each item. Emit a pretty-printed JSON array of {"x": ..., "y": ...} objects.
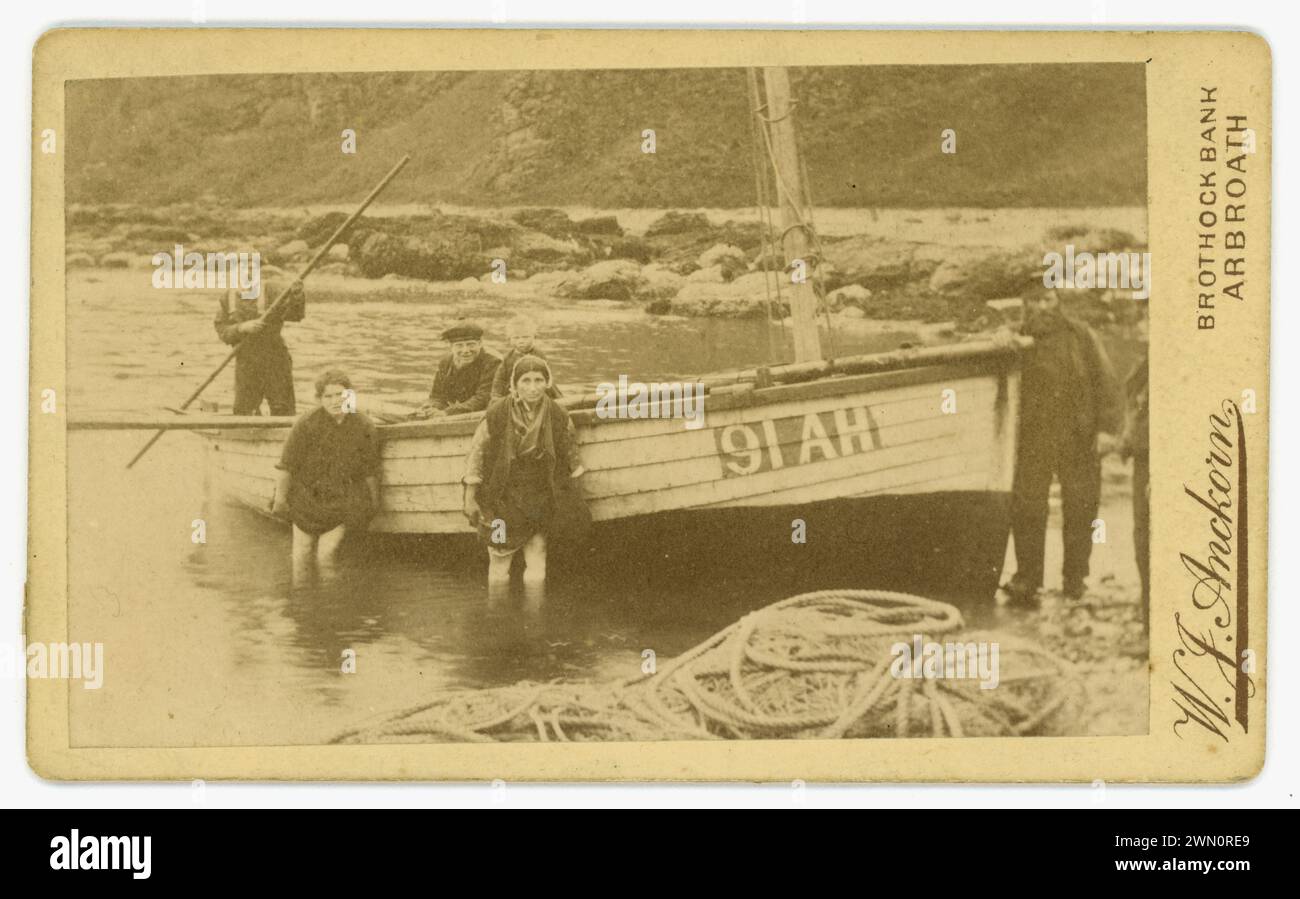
[{"x": 462, "y": 331}]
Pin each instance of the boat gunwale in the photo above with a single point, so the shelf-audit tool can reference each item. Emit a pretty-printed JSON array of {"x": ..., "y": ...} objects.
[{"x": 986, "y": 359}]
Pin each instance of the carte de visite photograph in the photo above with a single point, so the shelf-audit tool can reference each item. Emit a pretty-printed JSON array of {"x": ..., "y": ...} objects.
[{"x": 592, "y": 404}]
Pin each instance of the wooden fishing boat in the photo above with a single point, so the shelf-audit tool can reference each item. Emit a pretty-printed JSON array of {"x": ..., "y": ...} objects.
[
  {"x": 898, "y": 462},
  {"x": 881, "y": 432},
  {"x": 907, "y": 456}
]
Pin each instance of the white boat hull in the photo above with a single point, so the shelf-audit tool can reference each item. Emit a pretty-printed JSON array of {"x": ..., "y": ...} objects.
[
  {"x": 906, "y": 472},
  {"x": 936, "y": 429}
]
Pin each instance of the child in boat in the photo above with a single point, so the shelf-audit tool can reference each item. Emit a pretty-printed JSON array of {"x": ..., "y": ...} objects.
[
  {"x": 520, "y": 467},
  {"x": 329, "y": 472},
  {"x": 521, "y": 334}
]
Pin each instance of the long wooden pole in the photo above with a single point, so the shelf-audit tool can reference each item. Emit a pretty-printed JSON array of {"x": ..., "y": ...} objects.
[
  {"x": 795, "y": 239},
  {"x": 282, "y": 298}
]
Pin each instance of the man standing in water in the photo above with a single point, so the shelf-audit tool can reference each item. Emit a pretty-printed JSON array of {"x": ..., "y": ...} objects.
[
  {"x": 1069, "y": 408},
  {"x": 263, "y": 368},
  {"x": 329, "y": 475},
  {"x": 463, "y": 381}
]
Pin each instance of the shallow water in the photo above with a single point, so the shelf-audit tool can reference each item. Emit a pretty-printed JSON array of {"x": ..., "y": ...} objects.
[
  {"x": 210, "y": 644},
  {"x": 134, "y": 348}
]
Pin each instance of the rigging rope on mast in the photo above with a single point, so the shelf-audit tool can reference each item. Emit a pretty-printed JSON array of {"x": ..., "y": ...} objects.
[
  {"x": 800, "y": 199},
  {"x": 764, "y": 220},
  {"x": 819, "y": 282}
]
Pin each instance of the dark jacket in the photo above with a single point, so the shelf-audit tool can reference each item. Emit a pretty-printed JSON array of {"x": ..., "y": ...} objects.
[
  {"x": 1068, "y": 388},
  {"x": 468, "y": 389},
  {"x": 227, "y": 322}
]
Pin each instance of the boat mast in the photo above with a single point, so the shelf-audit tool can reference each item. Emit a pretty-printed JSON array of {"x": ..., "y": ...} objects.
[{"x": 796, "y": 241}]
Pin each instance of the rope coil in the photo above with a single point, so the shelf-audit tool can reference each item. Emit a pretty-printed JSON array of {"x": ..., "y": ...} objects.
[{"x": 817, "y": 665}]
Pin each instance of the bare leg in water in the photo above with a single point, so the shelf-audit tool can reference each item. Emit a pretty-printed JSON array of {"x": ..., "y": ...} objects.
[
  {"x": 534, "y": 572},
  {"x": 304, "y": 556},
  {"x": 498, "y": 578},
  {"x": 327, "y": 548},
  {"x": 313, "y": 553}
]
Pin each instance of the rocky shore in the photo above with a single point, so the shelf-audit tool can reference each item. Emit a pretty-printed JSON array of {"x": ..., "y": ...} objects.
[{"x": 682, "y": 263}]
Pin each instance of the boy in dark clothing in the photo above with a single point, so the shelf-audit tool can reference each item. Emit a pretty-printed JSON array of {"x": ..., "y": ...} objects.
[{"x": 263, "y": 368}]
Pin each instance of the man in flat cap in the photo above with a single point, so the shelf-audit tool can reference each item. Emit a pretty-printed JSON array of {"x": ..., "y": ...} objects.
[{"x": 463, "y": 381}]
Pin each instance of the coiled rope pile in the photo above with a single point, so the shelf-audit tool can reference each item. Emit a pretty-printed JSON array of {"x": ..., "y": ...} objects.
[{"x": 815, "y": 665}]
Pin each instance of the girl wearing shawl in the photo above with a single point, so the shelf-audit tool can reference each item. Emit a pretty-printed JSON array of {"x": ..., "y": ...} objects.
[{"x": 519, "y": 471}]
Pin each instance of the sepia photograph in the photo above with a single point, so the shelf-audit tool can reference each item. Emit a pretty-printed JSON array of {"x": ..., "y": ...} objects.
[
  {"x": 596, "y": 404},
  {"x": 653, "y": 406}
]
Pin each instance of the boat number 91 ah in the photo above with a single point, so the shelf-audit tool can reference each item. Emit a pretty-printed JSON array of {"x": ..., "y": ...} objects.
[{"x": 775, "y": 443}]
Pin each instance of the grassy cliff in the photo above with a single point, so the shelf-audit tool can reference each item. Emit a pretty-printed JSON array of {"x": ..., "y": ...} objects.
[{"x": 1038, "y": 135}]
